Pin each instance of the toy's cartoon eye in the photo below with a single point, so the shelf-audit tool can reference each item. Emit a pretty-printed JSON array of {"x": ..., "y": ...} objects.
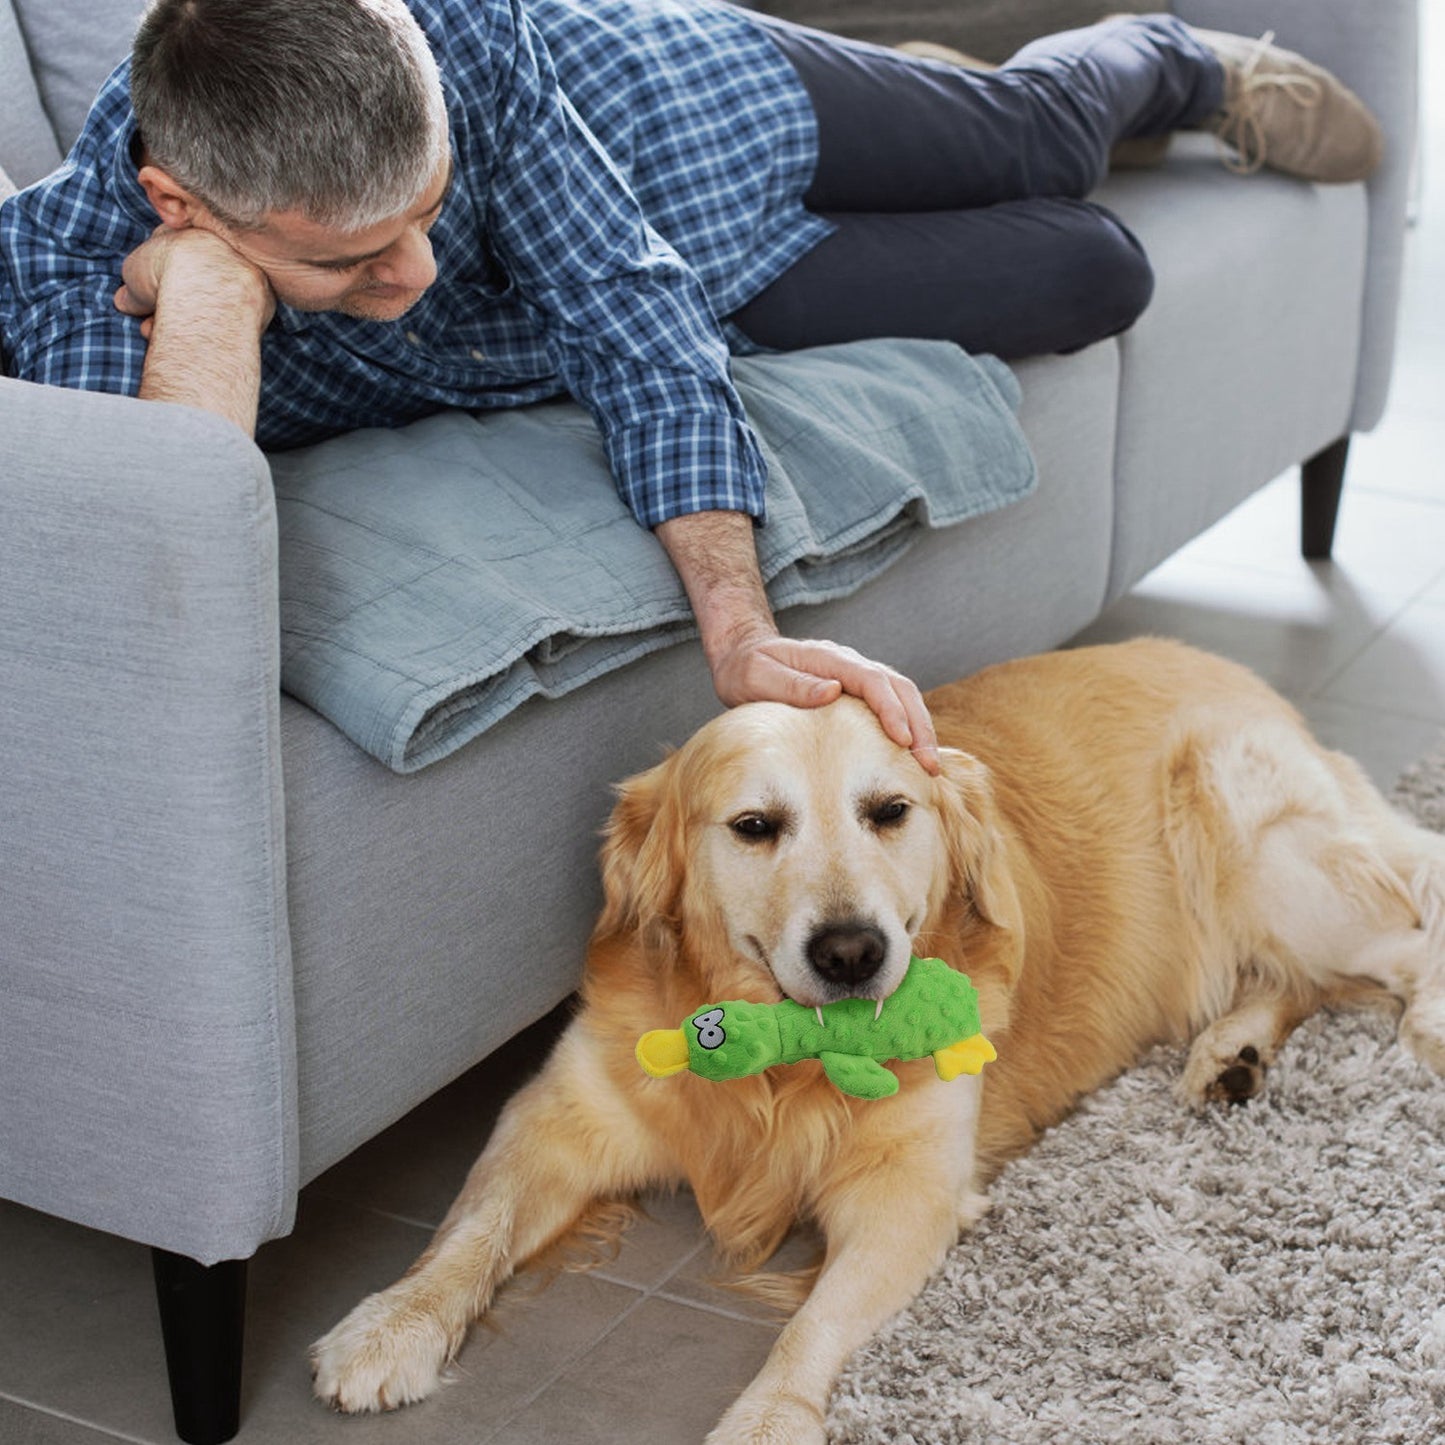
[{"x": 709, "y": 1029}]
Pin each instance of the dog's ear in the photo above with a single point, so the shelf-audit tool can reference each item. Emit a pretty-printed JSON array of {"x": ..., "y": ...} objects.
[
  {"x": 643, "y": 852},
  {"x": 978, "y": 861}
]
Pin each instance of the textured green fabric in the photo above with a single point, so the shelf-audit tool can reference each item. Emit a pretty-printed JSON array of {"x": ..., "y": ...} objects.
[{"x": 934, "y": 1007}]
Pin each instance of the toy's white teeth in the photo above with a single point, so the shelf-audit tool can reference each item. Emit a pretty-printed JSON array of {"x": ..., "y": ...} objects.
[
  {"x": 818, "y": 1009},
  {"x": 879, "y": 1014}
]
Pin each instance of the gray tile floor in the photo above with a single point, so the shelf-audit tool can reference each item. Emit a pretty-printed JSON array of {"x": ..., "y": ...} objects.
[{"x": 646, "y": 1348}]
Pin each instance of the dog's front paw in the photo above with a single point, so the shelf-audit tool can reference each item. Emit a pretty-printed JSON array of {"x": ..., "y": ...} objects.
[
  {"x": 971, "y": 1209},
  {"x": 386, "y": 1353},
  {"x": 770, "y": 1420}
]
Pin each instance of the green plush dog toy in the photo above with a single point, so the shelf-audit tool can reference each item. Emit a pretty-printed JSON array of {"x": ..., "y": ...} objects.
[{"x": 933, "y": 1011}]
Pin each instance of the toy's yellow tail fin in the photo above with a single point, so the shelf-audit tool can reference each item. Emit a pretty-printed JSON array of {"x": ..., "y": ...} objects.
[
  {"x": 967, "y": 1057},
  {"x": 663, "y": 1052}
]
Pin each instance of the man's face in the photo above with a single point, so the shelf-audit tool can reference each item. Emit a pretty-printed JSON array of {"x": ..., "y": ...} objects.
[{"x": 376, "y": 274}]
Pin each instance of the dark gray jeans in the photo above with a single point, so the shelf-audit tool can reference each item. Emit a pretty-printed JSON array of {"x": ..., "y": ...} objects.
[{"x": 958, "y": 195}]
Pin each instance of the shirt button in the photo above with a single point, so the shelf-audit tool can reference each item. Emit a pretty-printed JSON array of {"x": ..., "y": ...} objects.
[
  {"x": 413, "y": 338},
  {"x": 478, "y": 355}
]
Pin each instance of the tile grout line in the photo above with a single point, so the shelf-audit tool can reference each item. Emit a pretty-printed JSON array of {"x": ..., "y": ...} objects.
[
  {"x": 1416, "y": 599},
  {"x": 54, "y": 1414},
  {"x": 387, "y": 1214},
  {"x": 1280, "y": 577},
  {"x": 644, "y": 1293},
  {"x": 1365, "y": 709},
  {"x": 1397, "y": 604},
  {"x": 721, "y": 1311},
  {"x": 1375, "y": 489}
]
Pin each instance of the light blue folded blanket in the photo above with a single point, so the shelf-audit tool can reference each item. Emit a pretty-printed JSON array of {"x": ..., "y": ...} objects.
[{"x": 435, "y": 577}]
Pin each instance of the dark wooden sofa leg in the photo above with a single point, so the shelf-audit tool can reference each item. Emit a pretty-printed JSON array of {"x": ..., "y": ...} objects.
[
  {"x": 1322, "y": 478},
  {"x": 203, "y": 1313}
]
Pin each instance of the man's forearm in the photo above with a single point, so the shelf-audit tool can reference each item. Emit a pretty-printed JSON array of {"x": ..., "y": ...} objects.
[
  {"x": 202, "y": 309},
  {"x": 716, "y": 557},
  {"x": 205, "y": 346}
]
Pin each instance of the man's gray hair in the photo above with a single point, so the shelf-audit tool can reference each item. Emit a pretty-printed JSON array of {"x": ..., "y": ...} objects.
[{"x": 332, "y": 108}]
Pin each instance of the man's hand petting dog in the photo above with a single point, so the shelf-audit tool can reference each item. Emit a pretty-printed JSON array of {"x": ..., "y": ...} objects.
[
  {"x": 716, "y": 557},
  {"x": 812, "y": 673}
]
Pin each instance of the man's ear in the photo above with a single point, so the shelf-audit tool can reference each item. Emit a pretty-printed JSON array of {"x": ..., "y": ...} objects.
[{"x": 172, "y": 202}]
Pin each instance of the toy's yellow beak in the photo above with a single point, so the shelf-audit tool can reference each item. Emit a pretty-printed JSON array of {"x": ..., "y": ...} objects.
[{"x": 663, "y": 1052}]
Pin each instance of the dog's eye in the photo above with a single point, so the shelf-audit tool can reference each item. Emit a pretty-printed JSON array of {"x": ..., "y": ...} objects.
[
  {"x": 889, "y": 814},
  {"x": 755, "y": 827}
]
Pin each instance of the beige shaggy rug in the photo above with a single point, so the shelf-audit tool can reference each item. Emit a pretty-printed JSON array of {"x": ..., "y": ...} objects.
[{"x": 1266, "y": 1275}]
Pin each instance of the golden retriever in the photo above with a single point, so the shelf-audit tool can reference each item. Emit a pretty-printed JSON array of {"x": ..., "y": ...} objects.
[{"x": 1127, "y": 845}]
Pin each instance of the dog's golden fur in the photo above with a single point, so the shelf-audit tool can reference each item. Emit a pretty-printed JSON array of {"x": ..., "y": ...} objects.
[{"x": 1127, "y": 845}]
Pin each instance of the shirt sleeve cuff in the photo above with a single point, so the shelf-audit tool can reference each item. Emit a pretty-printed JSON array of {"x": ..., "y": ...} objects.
[{"x": 697, "y": 462}]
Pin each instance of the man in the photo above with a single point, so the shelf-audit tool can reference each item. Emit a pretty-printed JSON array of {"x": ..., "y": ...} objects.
[{"x": 356, "y": 212}]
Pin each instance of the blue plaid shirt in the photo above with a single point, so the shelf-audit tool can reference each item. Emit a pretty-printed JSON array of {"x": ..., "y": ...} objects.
[{"x": 626, "y": 172}]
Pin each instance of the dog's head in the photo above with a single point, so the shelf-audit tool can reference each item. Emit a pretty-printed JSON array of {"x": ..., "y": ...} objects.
[{"x": 800, "y": 853}]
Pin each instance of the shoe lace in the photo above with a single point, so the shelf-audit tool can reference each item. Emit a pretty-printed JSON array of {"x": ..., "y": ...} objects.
[{"x": 1241, "y": 136}]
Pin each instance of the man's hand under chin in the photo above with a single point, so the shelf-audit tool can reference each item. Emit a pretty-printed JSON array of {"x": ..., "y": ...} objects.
[
  {"x": 202, "y": 307},
  {"x": 751, "y": 661}
]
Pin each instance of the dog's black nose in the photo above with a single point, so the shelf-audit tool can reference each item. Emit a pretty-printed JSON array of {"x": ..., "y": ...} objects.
[{"x": 847, "y": 953}]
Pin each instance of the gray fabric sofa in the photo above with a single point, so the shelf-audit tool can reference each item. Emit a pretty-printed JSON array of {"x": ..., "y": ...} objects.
[{"x": 233, "y": 947}]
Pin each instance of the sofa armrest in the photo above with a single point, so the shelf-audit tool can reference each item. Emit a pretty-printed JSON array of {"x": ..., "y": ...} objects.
[
  {"x": 147, "y": 1057},
  {"x": 1374, "y": 49}
]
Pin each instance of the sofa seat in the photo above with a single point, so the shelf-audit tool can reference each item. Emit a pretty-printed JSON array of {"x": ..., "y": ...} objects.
[{"x": 1245, "y": 359}]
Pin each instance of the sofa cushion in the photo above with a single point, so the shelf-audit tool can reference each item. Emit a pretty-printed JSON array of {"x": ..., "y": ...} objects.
[
  {"x": 27, "y": 139},
  {"x": 73, "y": 48},
  {"x": 989, "y": 29},
  {"x": 1245, "y": 360}
]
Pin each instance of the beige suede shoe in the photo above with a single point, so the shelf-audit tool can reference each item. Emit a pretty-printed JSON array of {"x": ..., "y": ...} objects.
[
  {"x": 929, "y": 50},
  {"x": 1283, "y": 111},
  {"x": 1139, "y": 153}
]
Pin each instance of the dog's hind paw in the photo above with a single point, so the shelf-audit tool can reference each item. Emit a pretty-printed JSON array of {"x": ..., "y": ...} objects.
[
  {"x": 1238, "y": 1082},
  {"x": 1229, "y": 1060},
  {"x": 386, "y": 1353},
  {"x": 1422, "y": 1030},
  {"x": 1211, "y": 1078}
]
